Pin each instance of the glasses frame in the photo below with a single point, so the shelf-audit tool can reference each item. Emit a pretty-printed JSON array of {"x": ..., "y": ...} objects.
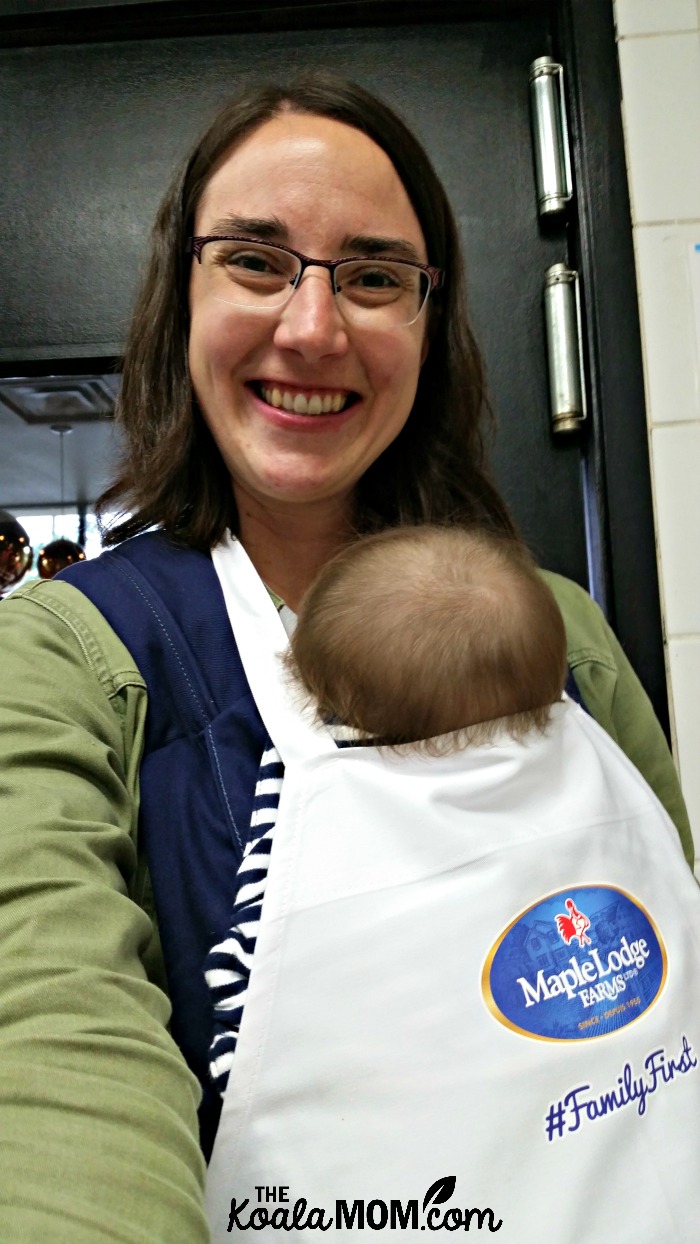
[{"x": 194, "y": 247}]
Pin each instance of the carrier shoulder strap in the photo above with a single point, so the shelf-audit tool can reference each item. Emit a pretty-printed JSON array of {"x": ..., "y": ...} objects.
[
  {"x": 165, "y": 604},
  {"x": 204, "y": 740}
]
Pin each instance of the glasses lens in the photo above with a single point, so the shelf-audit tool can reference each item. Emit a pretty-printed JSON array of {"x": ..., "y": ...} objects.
[
  {"x": 249, "y": 274},
  {"x": 381, "y": 291}
]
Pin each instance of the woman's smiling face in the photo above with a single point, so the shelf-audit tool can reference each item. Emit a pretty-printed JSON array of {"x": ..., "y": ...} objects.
[{"x": 322, "y": 188}]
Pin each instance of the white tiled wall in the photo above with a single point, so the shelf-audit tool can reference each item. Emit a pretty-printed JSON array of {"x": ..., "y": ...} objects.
[{"x": 659, "y": 49}]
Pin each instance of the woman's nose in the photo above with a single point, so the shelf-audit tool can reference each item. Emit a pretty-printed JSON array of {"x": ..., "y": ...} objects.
[{"x": 311, "y": 322}]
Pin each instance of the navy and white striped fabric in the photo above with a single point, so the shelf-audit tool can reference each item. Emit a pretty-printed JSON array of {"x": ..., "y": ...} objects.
[
  {"x": 228, "y": 964},
  {"x": 227, "y": 968}
]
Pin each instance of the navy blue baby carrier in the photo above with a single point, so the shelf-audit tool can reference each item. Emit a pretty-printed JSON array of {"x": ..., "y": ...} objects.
[{"x": 204, "y": 741}]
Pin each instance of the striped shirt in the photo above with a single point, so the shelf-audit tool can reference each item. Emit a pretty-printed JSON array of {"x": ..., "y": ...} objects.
[{"x": 228, "y": 964}]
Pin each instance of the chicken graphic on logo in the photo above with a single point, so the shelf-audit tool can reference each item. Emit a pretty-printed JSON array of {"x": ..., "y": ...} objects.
[{"x": 573, "y": 925}]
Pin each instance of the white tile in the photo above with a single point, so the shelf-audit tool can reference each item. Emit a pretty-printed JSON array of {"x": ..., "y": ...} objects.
[
  {"x": 649, "y": 17},
  {"x": 684, "y": 670},
  {"x": 675, "y": 465},
  {"x": 661, "y": 113},
  {"x": 667, "y": 262}
]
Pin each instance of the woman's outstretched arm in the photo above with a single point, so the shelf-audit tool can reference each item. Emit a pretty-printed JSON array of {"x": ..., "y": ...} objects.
[{"x": 97, "y": 1107}]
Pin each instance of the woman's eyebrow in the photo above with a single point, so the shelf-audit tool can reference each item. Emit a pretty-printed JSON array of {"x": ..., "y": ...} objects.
[
  {"x": 270, "y": 228},
  {"x": 367, "y": 244}
]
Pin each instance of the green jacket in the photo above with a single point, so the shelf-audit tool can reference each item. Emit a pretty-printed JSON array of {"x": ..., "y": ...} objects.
[{"x": 97, "y": 1107}]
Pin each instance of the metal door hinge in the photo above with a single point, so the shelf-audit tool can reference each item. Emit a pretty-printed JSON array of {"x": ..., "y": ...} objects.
[
  {"x": 550, "y": 135},
  {"x": 562, "y": 311}
]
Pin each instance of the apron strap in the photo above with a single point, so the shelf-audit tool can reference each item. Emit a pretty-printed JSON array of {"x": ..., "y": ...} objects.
[{"x": 261, "y": 640}]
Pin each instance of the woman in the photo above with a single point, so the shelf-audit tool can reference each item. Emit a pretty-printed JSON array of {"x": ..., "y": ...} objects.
[{"x": 298, "y": 404}]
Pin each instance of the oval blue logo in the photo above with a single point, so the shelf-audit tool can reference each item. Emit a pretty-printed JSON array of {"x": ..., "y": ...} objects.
[{"x": 580, "y": 963}]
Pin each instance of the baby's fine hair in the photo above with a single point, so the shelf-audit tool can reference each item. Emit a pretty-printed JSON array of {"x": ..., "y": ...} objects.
[{"x": 419, "y": 632}]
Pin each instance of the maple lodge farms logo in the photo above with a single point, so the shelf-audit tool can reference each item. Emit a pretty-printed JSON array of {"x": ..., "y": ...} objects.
[{"x": 578, "y": 963}]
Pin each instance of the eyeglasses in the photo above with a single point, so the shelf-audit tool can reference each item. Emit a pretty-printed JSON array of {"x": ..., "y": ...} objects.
[{"x": 257, "y": 276}]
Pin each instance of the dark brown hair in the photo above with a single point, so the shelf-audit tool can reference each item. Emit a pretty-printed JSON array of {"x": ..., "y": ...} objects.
[
  {"x": 422, "y": 631},
  {"x": 171, "y": 473}
]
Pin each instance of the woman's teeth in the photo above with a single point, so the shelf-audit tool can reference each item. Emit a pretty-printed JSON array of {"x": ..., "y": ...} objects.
[{"x": 301, "y": 405}]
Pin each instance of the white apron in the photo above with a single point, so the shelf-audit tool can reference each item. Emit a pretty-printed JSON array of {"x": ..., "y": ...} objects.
[{"x": 475, "y": 993}]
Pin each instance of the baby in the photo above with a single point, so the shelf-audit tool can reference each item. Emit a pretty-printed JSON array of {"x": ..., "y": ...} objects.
[
  {"x": 426, "y": 631},
  {"x": 432, "y": 636}
]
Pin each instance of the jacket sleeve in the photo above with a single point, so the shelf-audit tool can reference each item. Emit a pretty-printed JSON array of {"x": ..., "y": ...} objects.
[
  {"x": 97, "y": 1106},
  {"x": 616, "y": 699}
]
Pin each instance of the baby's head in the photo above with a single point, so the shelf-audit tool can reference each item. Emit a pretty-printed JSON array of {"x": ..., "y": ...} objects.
[{"x": 422, "y": 631}]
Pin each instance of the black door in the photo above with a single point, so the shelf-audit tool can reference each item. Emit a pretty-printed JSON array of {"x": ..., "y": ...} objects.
[{"x": 94, "y": 128}]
